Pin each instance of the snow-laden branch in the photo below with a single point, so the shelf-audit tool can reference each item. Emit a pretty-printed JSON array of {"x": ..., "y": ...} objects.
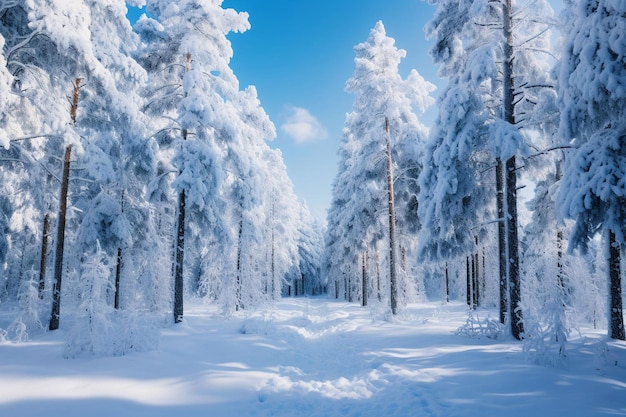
[
  {"x": 41, "y": 136},
  {"x": 550, "y": 149},
  {"x": 29, "y": 160},
  {"x": 21, "y": 44}
]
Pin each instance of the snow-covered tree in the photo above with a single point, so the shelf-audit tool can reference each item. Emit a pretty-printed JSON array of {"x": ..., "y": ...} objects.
[
  {"x": 310, "y": 251},
  {"x": 234, "y": 193},
  {"x": 187, "y": 55},
  {"x": 485, "y": 49},
  {"x": 592, "y": 97},
  {"x": 99, "y": 329},
  {"x": 81, "y": 52},
  {"x": 357, "y": 219},
  {"x": 453, "y": 196}
]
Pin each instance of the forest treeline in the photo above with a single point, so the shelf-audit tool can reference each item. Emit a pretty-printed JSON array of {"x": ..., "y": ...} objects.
[
  {"x": 136, "y": 171},
  {"x": 532, "y": 104}
]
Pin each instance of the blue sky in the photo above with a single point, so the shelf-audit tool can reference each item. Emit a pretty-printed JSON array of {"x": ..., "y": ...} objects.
[{"x": 299, "y": 55}]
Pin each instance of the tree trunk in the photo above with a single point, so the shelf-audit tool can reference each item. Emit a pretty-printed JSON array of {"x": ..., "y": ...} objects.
[
  {"x": 379, "y": 292},
  {"x": 447, "y": 285},
  {"x": 502, "y": 274},
  {"x": 560, "y": 273},
  {"x": 517, "y": 327},
  {"x": 474, "y": 279},
  {"x": 44, "y": 254},
  {"x": 392, "y": 225},
  {"x": 616, "y": 315},
  {"x": 349, "y": 285},
  {"x": 476, "y": 275},
  {"x": 179, "y": 259},
  {"x": 364, "y": 275},
  {"x": 468, "y": 282},
  {"x": 118, "y": 273},
  {"x": 238, "y": 283},
  {"x": 180, "y": 240},
  {"x": 58, "y": 260}
]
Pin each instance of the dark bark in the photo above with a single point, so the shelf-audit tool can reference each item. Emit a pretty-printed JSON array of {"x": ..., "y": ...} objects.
[
  {"x": 517, "y": 327},
  {"x": 560, "y": 273},
  {"x": 476, "y": 275},
  {"x": 364, "y": 276},
  {"x": 468, "y": 282},
  {"x": 502, "y": 273},
  {"x": 179, "y": 259},
  {"x": 447, "y": 285},
  {"x": 392, "y": 226},
  {"x": 616, "y": 315},
  {"x": 118, "y": 273},
  {"x": 58, "y": 260},
  {"x": 180, "y": 240},
  {"x": 44, "y": 254},
  {"x": 477, "y": 280},
  {"x": 474, "y": 280}
]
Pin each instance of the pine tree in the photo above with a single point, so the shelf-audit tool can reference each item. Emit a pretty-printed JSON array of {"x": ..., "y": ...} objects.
[
  {"x": 360, "y": 193},
  {"x": 592, "y": 101},
  {"x": 495, "y": 83}
]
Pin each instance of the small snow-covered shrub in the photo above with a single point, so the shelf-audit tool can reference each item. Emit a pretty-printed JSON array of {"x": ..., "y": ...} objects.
[
  {"x": 32, "y": 309},
  {"x": 99, "y": 330},
  {"x": 545, "y": 345},
  {"x": 476, "y": 327}
]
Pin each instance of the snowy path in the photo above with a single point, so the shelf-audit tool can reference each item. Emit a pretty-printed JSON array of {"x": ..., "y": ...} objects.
[{"x": 313, "y": 357}]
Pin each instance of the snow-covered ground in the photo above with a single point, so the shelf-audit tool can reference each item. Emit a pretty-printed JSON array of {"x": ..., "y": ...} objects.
[{"x": 315, "y": 357}]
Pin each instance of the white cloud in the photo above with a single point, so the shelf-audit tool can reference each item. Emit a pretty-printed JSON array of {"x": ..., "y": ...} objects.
[{"x": 302, "y": 126}]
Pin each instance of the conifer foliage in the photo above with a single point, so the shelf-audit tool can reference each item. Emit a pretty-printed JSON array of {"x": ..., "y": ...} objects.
[
  {"x": 171, "y": 186},
  {"x": 135, "y": 173},
  {"x": 382, "y": 135},
  {"x": 592, "y": 98}
]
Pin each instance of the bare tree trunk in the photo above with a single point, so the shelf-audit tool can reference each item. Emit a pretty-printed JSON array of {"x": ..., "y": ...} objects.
[
  {"x": 58, "y": 260},
  {"x": 380, "y": 296},
  {"x": 616, "y": 315},
  {"x": 349, "y": 285},
  {"x": 476, "y": 274},
  {"x": 44, "y": 254},
  {"x": 118, "y": 273},
  {"x": 447, "y": 285},
  {"x": 517, "y": 326},
  {"x": 473, "y": 277},
  {"x": 179, "y": 259},
  {"x": 392, "y": 225},
  {"x": 502, "y": 274},
  {"x": 560, "y": 273},
  {"x": 180, "y": 241},
  {"x": 468, "y": 279},
  {"x": 364, "y": 275},
  {"x": 238, "y": 283}
]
